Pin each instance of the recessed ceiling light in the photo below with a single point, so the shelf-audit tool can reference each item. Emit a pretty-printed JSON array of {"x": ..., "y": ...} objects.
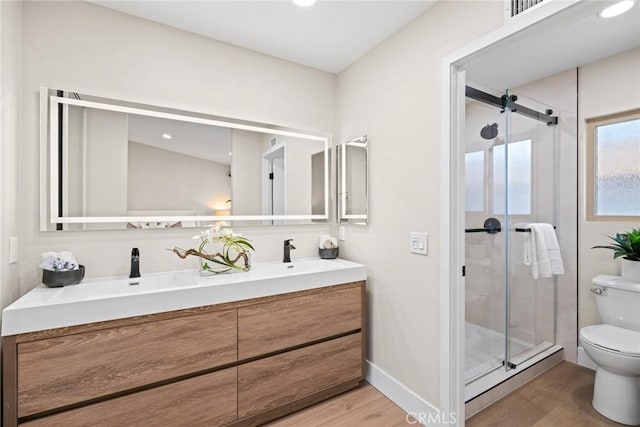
[
  {"x": 166, "y": 136},
  {"x": 230, "y": 153},
  {"x": 616, "y": 9},
  {"x": 304, "y": 3}
]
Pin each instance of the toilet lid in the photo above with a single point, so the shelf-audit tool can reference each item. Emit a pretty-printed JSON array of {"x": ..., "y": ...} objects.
[{"x": 613, "y": 338}]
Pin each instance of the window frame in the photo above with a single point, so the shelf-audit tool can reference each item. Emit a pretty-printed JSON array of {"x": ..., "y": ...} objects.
[{"x": 591, "y": 125}]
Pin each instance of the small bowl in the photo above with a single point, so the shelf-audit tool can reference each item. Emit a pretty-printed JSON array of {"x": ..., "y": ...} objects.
[
  {"x": 58, "y": 279},
  {"x": 331, "y": 253}
]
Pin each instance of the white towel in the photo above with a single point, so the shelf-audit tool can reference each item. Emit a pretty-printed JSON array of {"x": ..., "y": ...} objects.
[
  {"x": 542, "y": 251},
  {"x": 327, "y": 242}
]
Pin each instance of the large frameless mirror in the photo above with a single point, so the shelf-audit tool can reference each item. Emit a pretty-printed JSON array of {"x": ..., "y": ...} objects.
[
  {"x": 113, "y": 164},
  {"x": 353, "y": 181}
]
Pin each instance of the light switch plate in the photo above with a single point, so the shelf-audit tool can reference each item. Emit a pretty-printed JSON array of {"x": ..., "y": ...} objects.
[
  {"x": 419, "y": 243},
  {"x": 13, "y": 250},
  {"x": 342, "y": 234}
]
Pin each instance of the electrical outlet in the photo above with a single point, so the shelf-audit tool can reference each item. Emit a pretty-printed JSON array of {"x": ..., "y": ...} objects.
[
  {"x": 13, "y": 250},
  {"x": 419, "y": 243}
]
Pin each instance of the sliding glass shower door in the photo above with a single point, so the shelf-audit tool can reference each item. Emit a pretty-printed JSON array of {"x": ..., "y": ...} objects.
[
  {"x": 510, "y": 179},
  {"x": 485, "y": 307},
  {"x": 532, "y": 180}
]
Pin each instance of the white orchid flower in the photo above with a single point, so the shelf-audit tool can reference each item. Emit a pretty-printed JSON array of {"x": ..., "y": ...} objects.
[
  {"x": 201, "y": 235},
  {"x": 211, "y": 234}
]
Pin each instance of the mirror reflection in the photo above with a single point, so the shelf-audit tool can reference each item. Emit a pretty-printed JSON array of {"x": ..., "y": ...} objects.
[
  {"x": 353, "y": 181},
  {"x": 124, "y": 167}
]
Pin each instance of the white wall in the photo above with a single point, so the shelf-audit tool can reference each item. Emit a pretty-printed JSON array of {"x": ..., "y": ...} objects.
[
  {"x": 392, "y": 94},
  {"x": 10, "y": 140},
  {"x": 111, "y": 54},
  {"x": 106, "y": 169},
  {"x": 246, "y": 172},
  {"x": 298, "y": 174},
  {"x": 356, "y": 180},
  {"x": 165, "y": 180},
  {"x": 608, "y": 86},
  {"x": 318, "y": 174}
]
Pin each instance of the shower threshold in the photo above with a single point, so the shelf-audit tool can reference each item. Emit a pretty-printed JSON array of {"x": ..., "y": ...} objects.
[
  {"x": 499, "y": 376},
  {"x": 481, "y": 357}
]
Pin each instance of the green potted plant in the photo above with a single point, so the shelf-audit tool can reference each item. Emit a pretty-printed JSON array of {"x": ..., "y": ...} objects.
[{"x": 627, "y": 246}]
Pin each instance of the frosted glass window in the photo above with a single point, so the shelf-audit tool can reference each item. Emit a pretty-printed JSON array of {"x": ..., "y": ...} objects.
[
  {"x": 519, "y": 178},
  {"x": 617, "y": 169},
  {"x": 474, "y": 181}
]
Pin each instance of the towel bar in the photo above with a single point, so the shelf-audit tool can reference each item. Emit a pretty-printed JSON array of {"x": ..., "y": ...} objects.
[{"x": 527, "y": 230}]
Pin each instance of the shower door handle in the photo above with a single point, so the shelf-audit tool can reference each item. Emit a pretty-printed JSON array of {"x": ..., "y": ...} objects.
[{"x": 491, "y": 226}]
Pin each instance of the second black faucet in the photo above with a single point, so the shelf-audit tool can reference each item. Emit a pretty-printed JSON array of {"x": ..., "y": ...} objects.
[
  {"x": 287, "y": 250},
  {"x": 135, "y": 263}
]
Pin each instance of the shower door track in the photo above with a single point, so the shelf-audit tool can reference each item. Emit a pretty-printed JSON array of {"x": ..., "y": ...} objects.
[
  {"x": 515, "y": 362},
  {"x": 509, "y": 102}
]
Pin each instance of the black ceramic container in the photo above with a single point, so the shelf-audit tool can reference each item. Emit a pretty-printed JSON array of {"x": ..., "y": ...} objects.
[
  {"x": 58, "y": 279},
  {"x": 331, "y": 253}
]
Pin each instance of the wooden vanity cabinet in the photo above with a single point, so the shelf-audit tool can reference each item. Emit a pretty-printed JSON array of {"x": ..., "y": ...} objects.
[
  {"x": 242, "y": 363},
  {"x": 204, "y": 400},
  {"x": 121, "y": 358}
]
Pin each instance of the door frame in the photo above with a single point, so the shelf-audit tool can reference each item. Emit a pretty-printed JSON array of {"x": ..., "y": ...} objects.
[
  {"x": 277, "y": 151},
  {"x": 452, "y": 295}
]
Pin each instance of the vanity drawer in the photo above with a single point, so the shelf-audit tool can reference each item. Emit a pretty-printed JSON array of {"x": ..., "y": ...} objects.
[
  {"x": 277, "y": 325},
  {"x": 60, "y": 371},
  {"x": 207, "y": 400},
  {"x": 277, "y": 380}
]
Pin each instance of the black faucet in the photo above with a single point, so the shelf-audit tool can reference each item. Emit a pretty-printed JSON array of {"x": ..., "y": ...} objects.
[
  {"x": 135, "y": 263},
  {"x": 287, "y": 250}
]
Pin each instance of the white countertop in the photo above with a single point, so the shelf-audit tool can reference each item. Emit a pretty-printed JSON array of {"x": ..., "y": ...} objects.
[{"x": 96, "y": 300}]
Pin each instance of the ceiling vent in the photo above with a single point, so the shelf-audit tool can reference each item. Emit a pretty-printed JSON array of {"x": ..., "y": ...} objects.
[{"x": 516, "y": 7}]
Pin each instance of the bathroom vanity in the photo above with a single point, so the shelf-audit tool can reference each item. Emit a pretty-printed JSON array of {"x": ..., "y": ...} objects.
[{"x": 179, "y": 349}]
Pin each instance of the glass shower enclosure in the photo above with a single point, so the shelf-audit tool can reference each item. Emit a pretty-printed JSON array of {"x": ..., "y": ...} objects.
[{"x": 511, "y": 180}]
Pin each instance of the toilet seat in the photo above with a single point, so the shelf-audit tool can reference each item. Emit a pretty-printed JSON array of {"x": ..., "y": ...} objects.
[{"x": 612, "y": 339}]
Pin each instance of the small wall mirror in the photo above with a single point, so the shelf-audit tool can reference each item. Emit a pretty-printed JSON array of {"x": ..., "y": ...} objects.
[
  {"x": 353, "y": 181},
  {"x": 113, "y": 164}
]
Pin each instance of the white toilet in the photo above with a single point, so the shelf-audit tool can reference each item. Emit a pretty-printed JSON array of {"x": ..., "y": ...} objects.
[{"x": 615, "y": 347}]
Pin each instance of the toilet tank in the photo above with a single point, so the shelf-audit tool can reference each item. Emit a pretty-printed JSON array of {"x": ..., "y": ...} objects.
[{"x": 618, "y": 301}]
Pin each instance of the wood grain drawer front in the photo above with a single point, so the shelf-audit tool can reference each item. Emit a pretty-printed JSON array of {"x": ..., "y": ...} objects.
[
  {"x": 64, "y": 370},
  {"x": 274, "y": 381},
  {"x": 208, "y": 400},
  {"x": 272, "y": 326}
]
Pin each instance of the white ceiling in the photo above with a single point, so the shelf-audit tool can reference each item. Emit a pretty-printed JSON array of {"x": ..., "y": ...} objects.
[
  {"x": 193, "y": 139},
  {"x": 328, "y": 36},
  {"x": 574, "y": 37}
]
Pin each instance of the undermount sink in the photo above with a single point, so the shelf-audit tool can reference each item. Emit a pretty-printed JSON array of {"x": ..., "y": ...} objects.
[{"x": 96, "y": 300}]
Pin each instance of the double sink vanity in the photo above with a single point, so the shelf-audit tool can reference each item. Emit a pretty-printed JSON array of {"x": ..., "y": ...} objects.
[
  {"x": 176, "y": 349},
  {"x": 180, "y": 349}
]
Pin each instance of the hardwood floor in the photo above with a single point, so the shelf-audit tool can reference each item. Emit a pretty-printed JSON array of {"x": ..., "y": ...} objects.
[
  {"x": 560, "y": 397},
  {"x": 362, "y": 407}
]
